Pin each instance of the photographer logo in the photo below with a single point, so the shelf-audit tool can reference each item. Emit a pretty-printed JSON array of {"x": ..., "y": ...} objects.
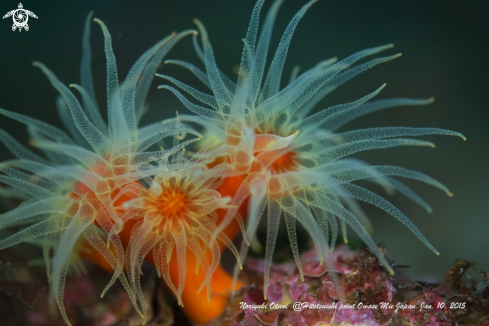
[{"x": 20, "y": 17}]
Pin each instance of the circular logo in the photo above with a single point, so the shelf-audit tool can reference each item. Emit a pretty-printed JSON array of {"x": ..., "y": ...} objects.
[{"x": 20, "y": 17}]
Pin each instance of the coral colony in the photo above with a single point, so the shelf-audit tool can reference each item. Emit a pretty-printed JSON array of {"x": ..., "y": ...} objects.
[{"x": 104, "y": 191}]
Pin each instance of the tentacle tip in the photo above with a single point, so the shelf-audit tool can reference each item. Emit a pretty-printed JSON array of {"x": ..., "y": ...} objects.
[
  {"x": 197, "y": 22},
  {"x": 431, "y": 99},
  {"x": 35, "y": 63},
  {"x": 432, "y": 145},
  {"x": 450, "y": 194}
]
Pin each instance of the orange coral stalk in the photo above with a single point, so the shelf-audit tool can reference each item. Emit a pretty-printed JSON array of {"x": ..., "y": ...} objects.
[{"x": 195, "y": 305}]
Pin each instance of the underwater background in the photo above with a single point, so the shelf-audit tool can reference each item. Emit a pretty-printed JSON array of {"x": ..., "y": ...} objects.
[{"x": 445, "y": 47}]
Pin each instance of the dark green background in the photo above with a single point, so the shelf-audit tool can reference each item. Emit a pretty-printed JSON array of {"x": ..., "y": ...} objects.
[{"x": 445, "y": 46}]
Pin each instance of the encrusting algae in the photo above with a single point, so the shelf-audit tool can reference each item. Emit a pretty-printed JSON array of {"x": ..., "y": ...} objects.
[{"x": 104, "y": 185}]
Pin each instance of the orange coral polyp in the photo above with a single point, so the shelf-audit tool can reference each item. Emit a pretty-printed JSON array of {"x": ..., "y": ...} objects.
[
  {"x": 175, "y": 220},
  {"x": 172, "y": 203},
  {"x": 285, "y": 163}
]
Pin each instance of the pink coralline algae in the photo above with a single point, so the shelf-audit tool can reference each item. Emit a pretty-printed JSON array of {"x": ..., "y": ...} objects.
[
  {"x": 353, "y": 288},
  {"x": 27, "y": 304}
]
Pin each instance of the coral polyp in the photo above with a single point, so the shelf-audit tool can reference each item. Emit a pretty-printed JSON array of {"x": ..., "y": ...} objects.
[
  {"x": 107, "y": 190},
  {"x": 292, "y": 162},
  {"x": 179, "y": 217},
  {"x": 70, "y": 194}
]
